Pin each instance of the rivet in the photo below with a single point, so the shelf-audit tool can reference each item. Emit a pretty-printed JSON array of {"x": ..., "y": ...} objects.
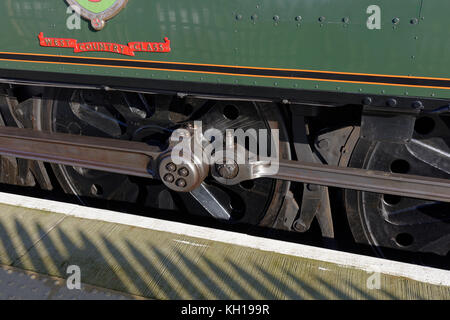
[
  {"x": 346, "y": 20},
  {"x": 418, "y": 105},
  {"x": 276, "y": 18},
  {"x": 391, "y": 102},
  {"x": 238, "y": 17},
  {"x": 414, "y": 21},
  {"x": 395, "y": 20},
  {"x": 322, "y": 144},
  {"x": 298, "y": 18},
  {"x": 312, "y": 187},
  {"x": 321, "y": 19},
  {"x": 254, "y": 17}
]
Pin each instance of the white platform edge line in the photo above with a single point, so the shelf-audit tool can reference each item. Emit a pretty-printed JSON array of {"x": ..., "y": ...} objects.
[{"x": 365, "y": 263}]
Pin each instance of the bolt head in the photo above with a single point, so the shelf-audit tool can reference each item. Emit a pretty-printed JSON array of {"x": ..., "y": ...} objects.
[
  {"x": 183, "y": 172},
  {"x": 367, "y": 101},
  {"x": 418, "y": 105},
  {"x": 171, "y": 167},
  {"x": 169, "y": 178},
  {"x": 181, "y": 183},
  {"x": 98, "y": 24},
  {"x": 391, "y": 102},
  {"x": 227, "y": 171},
  {"x": 300, "y": 227}
]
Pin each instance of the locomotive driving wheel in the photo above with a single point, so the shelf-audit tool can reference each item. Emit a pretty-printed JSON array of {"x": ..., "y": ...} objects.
[
  {"x": 152, "y": 119},
  {"x": 391, "y": 222}
]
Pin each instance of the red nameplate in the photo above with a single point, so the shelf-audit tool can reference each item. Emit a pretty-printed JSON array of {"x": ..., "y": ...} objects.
[{"x": 128, "y": 50}]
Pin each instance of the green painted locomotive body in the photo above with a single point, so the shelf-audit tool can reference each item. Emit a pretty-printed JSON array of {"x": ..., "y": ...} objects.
[
  {"x": 347, "y": 83},
  {"x": 279, "y": 49}
]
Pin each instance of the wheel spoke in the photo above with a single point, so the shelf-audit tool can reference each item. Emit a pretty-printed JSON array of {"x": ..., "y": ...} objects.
[
  {"x": 210, "y": 203},
  {"x": 96, "y": 116},
  {"x": 434, "y": 152}
]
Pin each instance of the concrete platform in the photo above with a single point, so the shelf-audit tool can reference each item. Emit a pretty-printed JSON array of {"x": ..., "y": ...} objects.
[{"x": 123, "y": 256}]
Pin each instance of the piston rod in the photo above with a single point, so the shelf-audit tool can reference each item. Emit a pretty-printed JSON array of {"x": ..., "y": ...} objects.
[
  {"x": 140, "y": 159},
  {"x": 404, "y": 185},
  {"x": 104, "y": 154}
]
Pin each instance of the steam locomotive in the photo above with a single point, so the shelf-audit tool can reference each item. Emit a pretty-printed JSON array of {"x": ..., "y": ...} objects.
[{"x": 91, "y": 92}]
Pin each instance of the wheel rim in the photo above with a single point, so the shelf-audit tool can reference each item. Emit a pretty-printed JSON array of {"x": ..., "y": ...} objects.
[
  {"x": 391, "y": 222},
  {"x": 152, "y": 119}
]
